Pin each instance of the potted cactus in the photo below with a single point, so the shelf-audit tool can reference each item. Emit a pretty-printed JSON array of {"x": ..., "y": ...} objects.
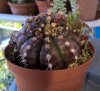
[
  {"x": 50, "y": 53},
  {"x": 23, "y": 7}
]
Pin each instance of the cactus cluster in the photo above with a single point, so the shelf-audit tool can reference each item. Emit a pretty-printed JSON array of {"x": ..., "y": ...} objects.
[{"x": 50, "y": 42}]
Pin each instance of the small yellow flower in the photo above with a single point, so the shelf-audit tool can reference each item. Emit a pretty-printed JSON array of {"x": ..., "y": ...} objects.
[
  {"x": 53, "y": 25},
  {"x": 54, "y": 34},
  {"x": 49, "y": 18},
  {"x": 47, "y": 33},
  {"x": 60, "y": 13}
]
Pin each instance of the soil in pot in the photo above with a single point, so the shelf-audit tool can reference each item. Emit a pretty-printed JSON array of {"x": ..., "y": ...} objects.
[{"x": 24, "y": 9}]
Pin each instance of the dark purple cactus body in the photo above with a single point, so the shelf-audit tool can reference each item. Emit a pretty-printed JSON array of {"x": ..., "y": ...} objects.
[{"x": 46, "y": 42}]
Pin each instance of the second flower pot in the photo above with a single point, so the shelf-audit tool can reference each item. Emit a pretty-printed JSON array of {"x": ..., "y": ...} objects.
[
  {"x": 88, "y": 9},
  {"x": 23, "y": 9},
  {"x": 43, "y": 5}
]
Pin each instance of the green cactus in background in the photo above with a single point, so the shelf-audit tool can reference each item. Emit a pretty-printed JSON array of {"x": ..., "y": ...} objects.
[
  {"x": 59, "y": 5},
  {"x": 74, "y": 21},
  {"x": 22, "y": 1},
  {"x": 14, "y": 1}
]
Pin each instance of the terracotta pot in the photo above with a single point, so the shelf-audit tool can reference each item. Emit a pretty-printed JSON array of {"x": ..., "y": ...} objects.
[
  {"x": 23, "y": 9},
  {"x": 88, "y": 9},
  {"x": 4, "y": 8},
  {"x": 42, "y": 5},
  {"x": 71, "y": 79},
  {"x": 98, "y": 11}
]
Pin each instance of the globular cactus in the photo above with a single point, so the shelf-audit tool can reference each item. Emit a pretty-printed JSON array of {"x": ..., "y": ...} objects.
[{"x": 48, "y": 42}]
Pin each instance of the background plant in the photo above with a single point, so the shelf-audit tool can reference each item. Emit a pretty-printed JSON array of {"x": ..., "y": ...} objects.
[
  {"x": 59, "y": 5},
  {"x": 6, "y": 77},
  {"x": 74, "y": 5},
  {"x": 22, "y": 1}
]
